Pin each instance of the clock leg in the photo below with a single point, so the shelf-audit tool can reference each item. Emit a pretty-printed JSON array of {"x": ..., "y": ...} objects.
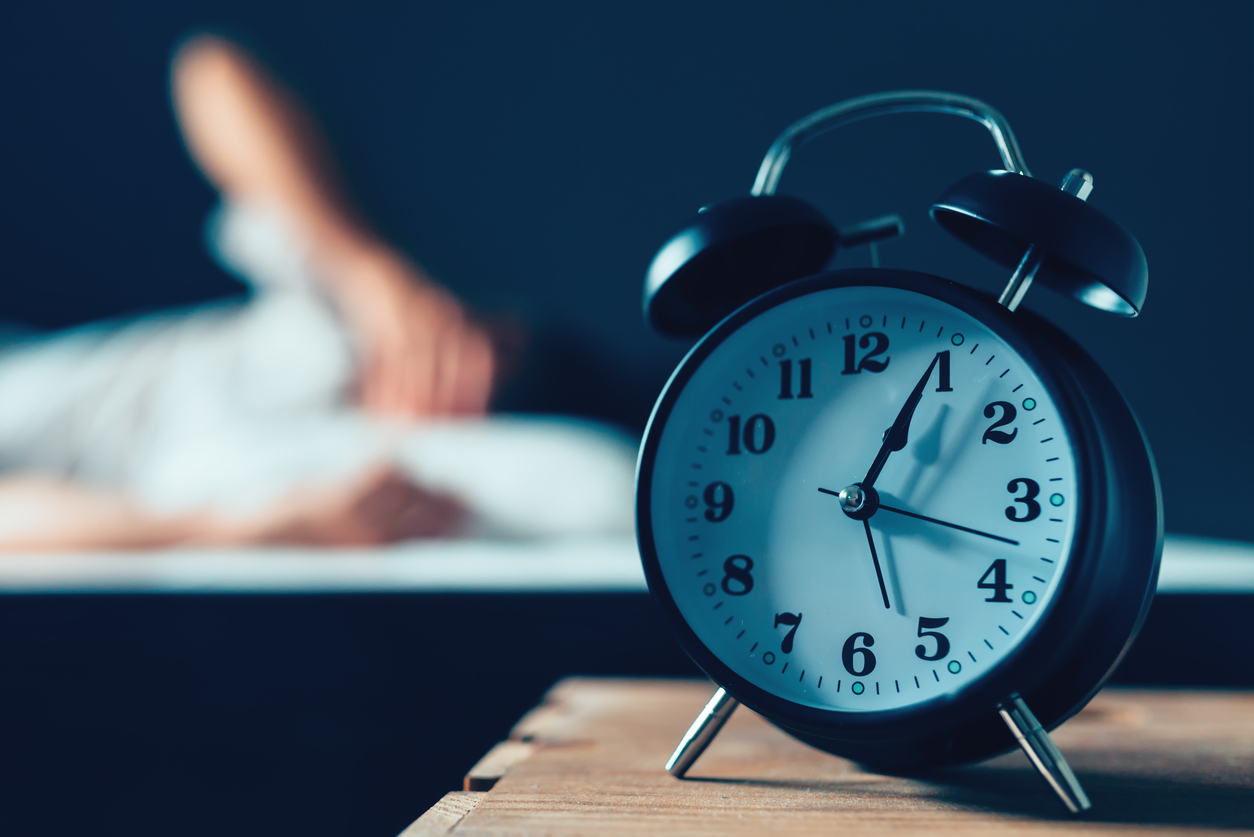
[
  {"x": 701, "y": 733},
  {"x": 1041, "y": 751}
]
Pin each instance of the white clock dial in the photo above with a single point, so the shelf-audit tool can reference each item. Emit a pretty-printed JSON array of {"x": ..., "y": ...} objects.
[{"x": 975, "y": 513}]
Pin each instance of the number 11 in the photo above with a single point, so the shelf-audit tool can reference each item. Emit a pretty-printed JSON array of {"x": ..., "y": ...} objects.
[{"x": 785, "y": 379}]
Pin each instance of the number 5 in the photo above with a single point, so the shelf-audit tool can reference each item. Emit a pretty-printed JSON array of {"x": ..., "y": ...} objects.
[{"x": 942, "y": 642}]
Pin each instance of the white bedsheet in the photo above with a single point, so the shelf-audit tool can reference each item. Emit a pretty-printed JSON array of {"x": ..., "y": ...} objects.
[{"x": 605, "y": 564}]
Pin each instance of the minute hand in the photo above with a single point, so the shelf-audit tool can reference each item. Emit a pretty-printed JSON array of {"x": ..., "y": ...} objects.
[
  {"x": 895, "y": 437},
  {"x": 883, "y": 507}
]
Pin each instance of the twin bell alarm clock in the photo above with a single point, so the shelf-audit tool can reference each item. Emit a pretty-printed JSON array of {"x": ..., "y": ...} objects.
[{"x": 909, "y": 524}]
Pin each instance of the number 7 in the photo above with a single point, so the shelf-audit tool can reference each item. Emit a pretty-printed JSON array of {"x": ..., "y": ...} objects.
[{"x": 793, "y": 619}]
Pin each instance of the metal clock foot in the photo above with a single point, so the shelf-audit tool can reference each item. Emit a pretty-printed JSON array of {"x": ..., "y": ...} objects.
[
  {"x": 1041, "y": 751},
  {"x": 701, "y": 733}
]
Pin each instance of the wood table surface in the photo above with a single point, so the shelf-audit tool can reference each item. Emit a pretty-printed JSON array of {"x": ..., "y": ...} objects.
[{"x": 589, "y": 760}]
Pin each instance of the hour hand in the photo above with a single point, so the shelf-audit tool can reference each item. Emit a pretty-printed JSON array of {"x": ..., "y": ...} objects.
[{"x": 895, "y": 437}]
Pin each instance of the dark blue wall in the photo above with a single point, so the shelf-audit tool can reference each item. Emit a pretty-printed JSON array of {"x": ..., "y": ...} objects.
[{"x": 537, "y": 154}]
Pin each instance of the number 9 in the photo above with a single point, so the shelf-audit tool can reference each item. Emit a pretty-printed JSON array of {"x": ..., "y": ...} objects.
[{"x": 720, "y": 499}]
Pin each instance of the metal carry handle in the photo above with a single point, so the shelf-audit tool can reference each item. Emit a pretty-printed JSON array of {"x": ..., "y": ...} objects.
[{"x": 882, "y": 104}]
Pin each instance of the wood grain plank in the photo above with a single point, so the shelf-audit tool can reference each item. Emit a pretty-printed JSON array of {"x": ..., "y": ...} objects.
[
  {"x": 1152, "y": 762},
  {"x": 501, "y": 759},
  {"x": 444, "y": 816}
]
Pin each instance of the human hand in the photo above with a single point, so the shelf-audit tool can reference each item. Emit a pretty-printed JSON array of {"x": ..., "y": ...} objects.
[
  {"x": 421, "y": 354},
  {"x": 383, "y": 506}
]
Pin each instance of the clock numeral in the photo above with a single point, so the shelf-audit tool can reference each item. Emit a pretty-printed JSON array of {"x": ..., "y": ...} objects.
[
  {"x": 758, "y": 434},
  {"x": 942, "y": 641},
  {"x": 1000, "y": 437},
  {"x": 881, "y": 346},
  {"x": 998, "y": 585},
  {"x": 785, "y": 378},
  {"x": 942, "y": 372},
  {"x": 866, "y": 661},
  {"x": 793, "y": 619},
  {"x": 1032, "y": 509},
  {"x": 720, "y": 499},
  {"x": 737, "y": 580}
]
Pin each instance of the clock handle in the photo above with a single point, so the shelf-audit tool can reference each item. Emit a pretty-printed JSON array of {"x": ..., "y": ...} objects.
[
  {"x": 1041, "y": 751},
  {"x": 701, "y": 733}
]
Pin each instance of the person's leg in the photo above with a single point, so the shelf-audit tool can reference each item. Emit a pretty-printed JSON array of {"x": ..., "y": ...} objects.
[{"x": 420, "y": 353}]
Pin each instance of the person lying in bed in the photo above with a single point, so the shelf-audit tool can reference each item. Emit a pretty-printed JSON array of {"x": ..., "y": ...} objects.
[{"x": 344, "y": 403}]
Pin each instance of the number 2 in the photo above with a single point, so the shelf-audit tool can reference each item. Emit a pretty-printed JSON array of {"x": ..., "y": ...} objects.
[{"x": 994, "y": 435}]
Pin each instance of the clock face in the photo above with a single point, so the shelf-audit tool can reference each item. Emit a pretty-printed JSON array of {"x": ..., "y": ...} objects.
[{"x": 860, "y": 601}]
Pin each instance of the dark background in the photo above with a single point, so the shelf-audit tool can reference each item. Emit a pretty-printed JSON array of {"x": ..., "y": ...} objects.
[{"x": 534, "y": 156}]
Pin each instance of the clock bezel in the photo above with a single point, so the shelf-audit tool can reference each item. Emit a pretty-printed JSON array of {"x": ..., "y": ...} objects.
[{"x": 1025, "y": 668}]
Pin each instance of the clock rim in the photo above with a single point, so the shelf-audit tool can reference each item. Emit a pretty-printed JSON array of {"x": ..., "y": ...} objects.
[{"x": 1012, "y": 672}]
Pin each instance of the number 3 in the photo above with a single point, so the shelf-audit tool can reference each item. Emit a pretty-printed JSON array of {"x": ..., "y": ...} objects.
[{"x": 1028, "y": 500}]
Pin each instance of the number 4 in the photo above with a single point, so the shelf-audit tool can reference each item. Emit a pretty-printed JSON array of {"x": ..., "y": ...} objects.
[{"x": 998, "y": 585}]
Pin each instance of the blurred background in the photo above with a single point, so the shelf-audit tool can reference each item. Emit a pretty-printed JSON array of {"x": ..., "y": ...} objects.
[{"x": 533, "y": 157}]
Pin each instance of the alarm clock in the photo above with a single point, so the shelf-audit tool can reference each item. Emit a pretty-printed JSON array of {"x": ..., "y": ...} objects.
[{"x": 906, "y": 522}]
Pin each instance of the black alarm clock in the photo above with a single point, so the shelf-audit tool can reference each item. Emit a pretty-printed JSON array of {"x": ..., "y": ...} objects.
[{"x": 905, "y": 522}]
